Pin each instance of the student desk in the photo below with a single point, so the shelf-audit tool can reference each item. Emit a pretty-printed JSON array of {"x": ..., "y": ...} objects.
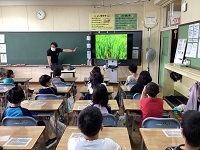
[
  {"x": 106, "y": 80},
  {"x": 71, "y": 80},
  {"x": 3, "y": 91},
  {"x": 49, "y": 106},
  {"x": 122, "y": 80},
  {"x": 155, "y": 139},
  {"x": 25, "y": 82},
  {"x": 33, "y": 132},
  {"x": 125, "y": 90},
  {"x": 81, "y": 104},
  {"x": 84, "y": 89},
  {"x": 60, "y": 90},
  {"x": 65, "y": 71},
  {"x": 134, "y": 105},
  {"x": 119, "y": 135}
]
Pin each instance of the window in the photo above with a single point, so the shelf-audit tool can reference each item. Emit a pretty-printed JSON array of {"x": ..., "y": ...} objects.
[{"x": 172, "y": 13}]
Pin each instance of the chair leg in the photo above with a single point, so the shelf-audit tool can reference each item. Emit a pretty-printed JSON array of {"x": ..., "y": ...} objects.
[{"x": 142, "y": 144}]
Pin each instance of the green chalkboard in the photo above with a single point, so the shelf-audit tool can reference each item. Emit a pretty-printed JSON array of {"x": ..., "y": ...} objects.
[
  {"x": 183, "y": 34},
  {"x": 31, "y": 47}
]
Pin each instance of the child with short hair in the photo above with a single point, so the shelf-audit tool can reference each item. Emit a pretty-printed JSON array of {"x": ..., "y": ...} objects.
[
  {"x": 45, "y": 81},
  {"x": 15, "y": 96},
  {"x": 190, "y": 129},
  {"x": 57, "y": 74},
  {"x": 9, "y": 77},
  {"x": 100, "y": 99},
  {"x": 151, "y": 106},
  {"x": 90, "y": 123},
  {"x": 133, "y": 77}
]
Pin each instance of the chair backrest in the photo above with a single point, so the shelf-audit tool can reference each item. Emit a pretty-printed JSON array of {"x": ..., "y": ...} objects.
[
  {"x": 46, "y": 97},
  {"x": 152, "y": 122},
  {"x": 109, "y": 120},
  {"x": 137, "y": 96},
  {"x": 130, "y": 83},
  {"x": 19, "y": 121},
  {"x": 6, "y": 84}
]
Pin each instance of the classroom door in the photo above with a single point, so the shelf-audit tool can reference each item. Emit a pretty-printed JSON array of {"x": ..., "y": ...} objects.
[{"x": 165, "y": 49}]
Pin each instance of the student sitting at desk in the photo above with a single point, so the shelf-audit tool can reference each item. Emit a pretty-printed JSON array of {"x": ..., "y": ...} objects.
[
  {"x": 190, "y": 129},
  {"x": 45, "y": 81},
  {"x": 96, "y": 69},
  {"x": 90, "y": 123},
  {"x": 134, "y": 76},
  {"x": 100, "y": 99},
  {"x": 15, "y": 96},
  {"x": 57, "y": 74},
  {"x": 9, "y": 77},
  {"x": 143, "y": 79},
  {"x": 151, "y": 106},
  {"x": 95, "y": 80}
]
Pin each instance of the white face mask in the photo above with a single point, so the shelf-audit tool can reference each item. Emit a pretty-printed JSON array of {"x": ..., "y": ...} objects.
[{"x": 53, "y": 49}]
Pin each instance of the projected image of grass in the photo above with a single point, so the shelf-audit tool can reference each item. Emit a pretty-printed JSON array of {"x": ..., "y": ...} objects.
[{"x": 111, "y": 46}]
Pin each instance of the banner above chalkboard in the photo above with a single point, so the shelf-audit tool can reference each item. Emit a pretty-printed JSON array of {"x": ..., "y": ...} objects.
[{"x": 110, "y": 22}]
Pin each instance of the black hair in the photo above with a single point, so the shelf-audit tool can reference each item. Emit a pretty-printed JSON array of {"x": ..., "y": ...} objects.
[
  {"x": 96, "y": 69},
  {"x": 144, "y": 78},
  {"x": 152, "y": 89},
  {"x": 100, "y": 95},
  {"x": 132, "y": 68},
  {"x": 191, "y": 127},
  {"x": 90, "y": 121},
  {"x": 9, "y": 73},
  {"x": 96, "y": 79},
  {"x": 15, "y": 95},
  {"x": 54, "y": 43},
  {"x": 44, "y": 79},
  {"x": 57, "y": 72}
]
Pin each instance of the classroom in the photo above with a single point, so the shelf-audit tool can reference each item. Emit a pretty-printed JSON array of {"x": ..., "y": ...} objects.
[{"x": 137, "y": 61}]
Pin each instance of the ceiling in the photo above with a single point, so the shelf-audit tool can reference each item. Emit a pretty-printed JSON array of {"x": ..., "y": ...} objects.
[{"x": 70, "y": 2}]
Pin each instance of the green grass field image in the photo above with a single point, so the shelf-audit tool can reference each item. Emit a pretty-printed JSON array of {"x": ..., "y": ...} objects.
[{"x": 111, "y": 46}]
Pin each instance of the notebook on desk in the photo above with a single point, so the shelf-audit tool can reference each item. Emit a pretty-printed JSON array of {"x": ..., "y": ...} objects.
[{"x": 53, "y": 67}]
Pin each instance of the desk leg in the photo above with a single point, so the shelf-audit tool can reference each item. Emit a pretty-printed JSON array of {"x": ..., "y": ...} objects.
[
  {"x": 56, "y": 121},
  {"x": 25, "y": 90},
  {"x": 73, "y": 74}
]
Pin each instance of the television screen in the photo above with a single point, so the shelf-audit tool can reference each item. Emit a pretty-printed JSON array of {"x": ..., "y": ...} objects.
[{"x": 111, "y": 46}]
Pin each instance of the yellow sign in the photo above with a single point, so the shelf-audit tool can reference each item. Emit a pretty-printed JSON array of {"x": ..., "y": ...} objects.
[{"x": 101, "y": 22}]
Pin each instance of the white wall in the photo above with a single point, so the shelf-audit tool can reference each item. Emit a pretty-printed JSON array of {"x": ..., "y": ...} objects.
[
  {"x": 58, "y": 18},
  {"x": 192, "y": 13}
]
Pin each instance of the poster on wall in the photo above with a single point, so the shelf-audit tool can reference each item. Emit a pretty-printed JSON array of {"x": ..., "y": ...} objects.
[
  {"x": 101, "y": 22},
  {"x": 193, "y": 53},
  {"x": 196, "y": 30},
  {"x": 188, "y": 50},
  {"x": 2, "y": 48},
  {"x": 3, "y": 58},
  {"x": 190, "y": 31},
  {"x": 2, "y": 38},
  {"x": 199, "y": 49},
  {"x": 180, "y": 51},
  {"x": 127, "y": 21}
]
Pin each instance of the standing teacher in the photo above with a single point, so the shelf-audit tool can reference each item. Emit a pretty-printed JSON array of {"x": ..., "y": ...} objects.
[{"x": 53, "y": 53}]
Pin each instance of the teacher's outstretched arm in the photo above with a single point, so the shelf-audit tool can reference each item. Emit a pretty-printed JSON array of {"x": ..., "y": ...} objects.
[{"x": 70, "y": 50}]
